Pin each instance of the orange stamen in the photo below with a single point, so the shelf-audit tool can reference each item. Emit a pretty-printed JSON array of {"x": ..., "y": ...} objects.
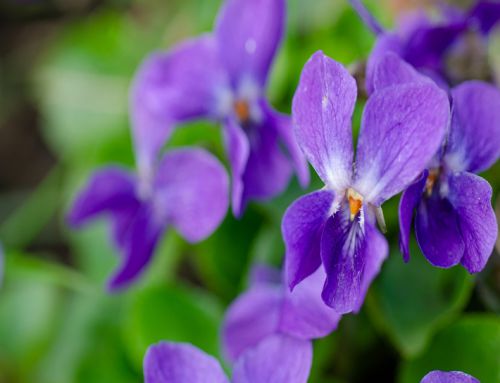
[
  {"x": 242, "y": 110},
  {"x": 431, "y": 181},
  {"x": 355, "y": 202}
]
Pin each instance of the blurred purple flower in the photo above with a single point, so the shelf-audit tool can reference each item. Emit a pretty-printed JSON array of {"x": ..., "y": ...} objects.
[
  {"x": 277, "y": 359},
  {"x": 269, "y": 308},
  {"x": 401, "y": 129},
  {"x": 450, "y": 51},
  {"x": 222, "y": 77},
  {"x": 448, "y": 377},
  {"x": 189, "y": 192}
]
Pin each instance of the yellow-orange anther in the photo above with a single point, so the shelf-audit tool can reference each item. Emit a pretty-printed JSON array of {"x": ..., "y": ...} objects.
[
  {"x": 431, "y": 180},
  {"x": 242, "y": 110},
  {"x": 355, "y": 202}
]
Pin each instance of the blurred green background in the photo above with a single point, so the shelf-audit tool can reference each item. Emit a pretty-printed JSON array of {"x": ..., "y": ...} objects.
[{"x": 64, "y": 75}]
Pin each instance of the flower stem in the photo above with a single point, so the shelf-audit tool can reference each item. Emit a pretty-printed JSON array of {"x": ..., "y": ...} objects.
[{"x": 366, "y": 16}]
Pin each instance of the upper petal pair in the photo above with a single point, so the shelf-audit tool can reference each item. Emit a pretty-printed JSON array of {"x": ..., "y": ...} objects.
[
  {"x": 402, "y": 127},
  {"x": 192, "y": 80},
  {"x": 182, "y": 363},
  {"x": 473, "y": 140}
]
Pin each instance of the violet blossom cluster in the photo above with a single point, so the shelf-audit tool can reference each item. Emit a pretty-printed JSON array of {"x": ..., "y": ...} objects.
[
  {"x": 219, "y": 76},
  {"x": 425, "y": 132}
]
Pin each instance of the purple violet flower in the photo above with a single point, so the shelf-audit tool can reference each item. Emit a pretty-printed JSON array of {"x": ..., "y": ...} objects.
[
  {"x": 269, "y": 308},
  {"x": 177, "y": 196},
  {"x": 401, "y": 129},
  {"x": 222, "y": 77},
  {"x": 265, "y": 327},
  {"x": 455, "y": 221},
  {"x": 450, "y": 51},
  {"x": 277, "y": 359},
  {"x": 448, "y": 377}
]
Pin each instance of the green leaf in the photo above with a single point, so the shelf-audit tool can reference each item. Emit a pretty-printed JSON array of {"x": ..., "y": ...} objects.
[
  {"x": 171, "y": 313},
  {"x": 222, "y": 260},
  {"x": 35, "y": 268},
  {"x": 82, "y": 83},
  {"x": 471, "y": 345},
  {"x": 26, "y": 222},
  {"x": 410, "y": 302},
  {"x": 87, "y": 346},
  {"x": 96, "y": 255},
  {"x": 106, "y": 360},
  {"x": 28, "y": 308}
]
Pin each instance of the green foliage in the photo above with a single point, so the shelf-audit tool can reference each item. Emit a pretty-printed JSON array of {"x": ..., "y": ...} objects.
[
  {"x": 27, "y": 317},
  {"x": 409, "y": 302},
  {"x": 472, "y": 345},
  {"x": 171, "y": 313}
]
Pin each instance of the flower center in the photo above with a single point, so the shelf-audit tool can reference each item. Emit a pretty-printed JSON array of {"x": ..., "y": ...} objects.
[
  {"x": 242, "y": 111},
  {"x": 431, "y": 181},
  {"x": 355, "y": 202}
]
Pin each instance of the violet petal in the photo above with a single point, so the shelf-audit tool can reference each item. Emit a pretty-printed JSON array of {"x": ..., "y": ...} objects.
[
  {"x": 248, "y": 33},
  {"x": 304, "y": 315},
  {"x": 392, "y": 70},
  {"x": 238, "y": 149},
  {"x": 474, "y": 142},
  {"x": 139, "y": 247},
  {"x": 253, "y": 316},
  {"x": 170, "y": 88},
  {"x": 437, "y": 231},
  {"x": 471, "y": 197},
  {"x": 191, "y": 192},
  {"x": 277, "y": 359},
  {"x": 386, "y": 43},
  {"x": 487, "y": 13},
  {"x": 283, "y": 125},
  {"x": 426, "y": 46},
  {"x": 302, "y": 226},
  {"x": 168, "y": 362},
  {"x": 402, "y": 128},
  {"x": 110, "y": 192},
  {"x": 322, "y": 110},
  {"x": 376, "y": 252},
  {"x": 407, "y": 204},
  {"x": 268, "y": 169},
  {"x": 448, "y": 377},
  {"x": 343, "y": 247}
]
